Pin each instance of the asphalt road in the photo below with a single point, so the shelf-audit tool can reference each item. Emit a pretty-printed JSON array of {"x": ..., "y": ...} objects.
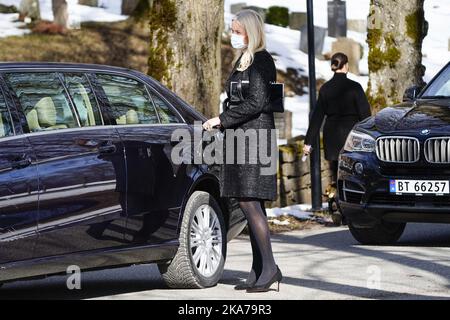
[{"x": 324, "y": 263}]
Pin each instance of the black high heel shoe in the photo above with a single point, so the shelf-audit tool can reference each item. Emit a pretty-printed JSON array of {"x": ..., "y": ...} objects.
[{"x": 266, "y": 286}]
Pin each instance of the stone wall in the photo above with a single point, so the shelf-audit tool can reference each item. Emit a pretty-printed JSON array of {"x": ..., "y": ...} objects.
[
  {"x": 283, "y": 122},
  {"x": 293, "y": 177}
]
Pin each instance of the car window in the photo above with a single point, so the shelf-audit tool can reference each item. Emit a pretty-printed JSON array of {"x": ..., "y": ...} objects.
[
  {"x": 166, "y": 114},
  {"x": 440, "y": 86},
  {"x": 5, "y": 119},
  {"x": 43, "y": 101},
  {"x": 444, "y": 90},
  {"x": 83, "y": 99},
  {"x": 128, "y": 99}
]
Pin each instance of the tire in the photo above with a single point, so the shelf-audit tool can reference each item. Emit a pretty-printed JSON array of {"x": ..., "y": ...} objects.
[
  {"x": 383, "y": 233},
  {"x": 198, "y": 264}
]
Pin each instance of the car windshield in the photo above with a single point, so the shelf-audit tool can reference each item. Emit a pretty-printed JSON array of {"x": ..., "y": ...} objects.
[{"x": 440, "y": 87}]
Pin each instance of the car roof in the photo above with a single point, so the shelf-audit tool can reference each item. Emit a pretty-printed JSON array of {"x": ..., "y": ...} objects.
[
  {"x": 63, "y": 65},
  {"x": 9, "y": 66}
]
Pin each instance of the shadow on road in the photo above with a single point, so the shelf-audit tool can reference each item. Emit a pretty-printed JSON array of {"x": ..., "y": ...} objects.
[
  {"x": 146, "y": 277},
  {"x": 416, "y": 235},
  {"x": 112, "y": 282},
  {"x": 357, "y": 292}
]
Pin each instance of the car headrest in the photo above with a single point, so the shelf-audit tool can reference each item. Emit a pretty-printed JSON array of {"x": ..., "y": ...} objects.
[
  {"x": 46, "y": 112},
  {"x": 132, "y": 117},
  {"x": 32, "y": 119}
]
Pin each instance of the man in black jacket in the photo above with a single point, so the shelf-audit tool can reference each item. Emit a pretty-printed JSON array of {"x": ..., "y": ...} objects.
[{"x": 344, "y": 103}]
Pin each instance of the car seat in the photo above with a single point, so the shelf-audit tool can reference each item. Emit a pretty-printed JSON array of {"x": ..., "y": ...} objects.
[
  {"x": 43, "y": 116},
  {"x": 131, "y": 117}
]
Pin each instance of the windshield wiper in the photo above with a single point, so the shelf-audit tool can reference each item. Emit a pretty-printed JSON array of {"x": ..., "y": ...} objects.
[{"x": 435, "y": 97}]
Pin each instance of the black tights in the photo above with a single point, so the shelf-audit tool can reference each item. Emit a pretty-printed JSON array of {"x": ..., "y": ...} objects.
[{"x": 263, "y": 266}]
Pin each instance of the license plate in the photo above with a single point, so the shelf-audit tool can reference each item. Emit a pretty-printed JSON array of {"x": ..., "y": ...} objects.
[{"x": 420, "y": 187}]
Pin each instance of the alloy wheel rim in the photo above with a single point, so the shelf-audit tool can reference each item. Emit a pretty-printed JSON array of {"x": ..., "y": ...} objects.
[{"x": 206, "y": 241}]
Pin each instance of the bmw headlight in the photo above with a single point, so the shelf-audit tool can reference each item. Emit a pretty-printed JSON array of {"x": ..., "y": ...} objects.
[{"x": 359, "y": 142}]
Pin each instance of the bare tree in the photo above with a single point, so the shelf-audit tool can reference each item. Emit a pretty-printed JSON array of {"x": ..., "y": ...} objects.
[
  {"x": 60, "y": 13},
  {"x": 185, "y": 47},
  {"x": 395, "y": 33}
]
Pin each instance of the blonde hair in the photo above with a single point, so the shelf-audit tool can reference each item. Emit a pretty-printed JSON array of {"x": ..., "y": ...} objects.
[{"x": 253, "y": 24}]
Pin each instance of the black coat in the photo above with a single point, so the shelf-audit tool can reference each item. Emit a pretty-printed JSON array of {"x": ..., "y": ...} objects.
[
  {"x": 245, "y": 180},
  {"x": 344, "y": 104}
]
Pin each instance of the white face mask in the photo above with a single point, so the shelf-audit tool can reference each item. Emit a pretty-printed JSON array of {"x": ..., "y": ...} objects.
[{"x": 237, "y": 41}]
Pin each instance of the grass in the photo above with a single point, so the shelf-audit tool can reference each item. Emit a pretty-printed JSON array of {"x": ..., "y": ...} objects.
[{"x": 123, "y": 44}]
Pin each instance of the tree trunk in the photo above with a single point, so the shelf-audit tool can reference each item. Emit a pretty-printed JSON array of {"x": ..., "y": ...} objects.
[
  {"x": 30, "y": 8},
  {"x": 395, "y": 33},
  {"x": 128, "y": 6},
  {"x": 91, "y": 3},
  {"x": 185, "y": 48},
  {"x": 60, "y": 13}
]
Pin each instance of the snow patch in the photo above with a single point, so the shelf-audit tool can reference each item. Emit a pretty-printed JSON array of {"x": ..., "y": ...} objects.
[
  {"x": 280, "y": 223},
  {"x": 300, "y": 211},
  {"x": 108, "y": 12},
  {"x": 9, "y": 26}
]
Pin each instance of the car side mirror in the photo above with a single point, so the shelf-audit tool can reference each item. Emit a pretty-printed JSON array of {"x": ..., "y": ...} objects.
[{"x": 412, "y": 93}]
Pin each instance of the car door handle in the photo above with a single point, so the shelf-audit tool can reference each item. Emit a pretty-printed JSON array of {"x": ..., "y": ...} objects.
[
  {"x": 107, "y": 149},
  {"x": 21, "y": 163}
]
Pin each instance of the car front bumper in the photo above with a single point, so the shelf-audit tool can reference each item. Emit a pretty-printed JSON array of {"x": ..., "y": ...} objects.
[{"x": 365, "y": 200}]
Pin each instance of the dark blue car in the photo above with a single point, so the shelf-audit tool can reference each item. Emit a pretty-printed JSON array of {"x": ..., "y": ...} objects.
[
  {"x": 86, "y": 177},
  {"x": 395, "y": 166}
]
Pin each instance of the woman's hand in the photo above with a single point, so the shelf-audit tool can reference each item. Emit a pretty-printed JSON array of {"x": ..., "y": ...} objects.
[
  {"x": 306, "y": 149},
  {"x": 211, "y": 123}
]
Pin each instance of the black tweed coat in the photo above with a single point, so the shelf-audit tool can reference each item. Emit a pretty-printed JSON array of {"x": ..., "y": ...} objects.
[
  {"x": 343, "y": 103},
  {"x": 244, "y": 179}
]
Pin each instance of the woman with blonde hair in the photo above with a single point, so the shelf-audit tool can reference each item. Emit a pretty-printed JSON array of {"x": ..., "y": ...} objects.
[{"x": 254, "y": 70}]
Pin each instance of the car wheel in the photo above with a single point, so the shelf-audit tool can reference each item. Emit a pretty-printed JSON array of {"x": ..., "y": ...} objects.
[
  {"x": 383, "y": 233},
  {"x": 200, "y": 258}
]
